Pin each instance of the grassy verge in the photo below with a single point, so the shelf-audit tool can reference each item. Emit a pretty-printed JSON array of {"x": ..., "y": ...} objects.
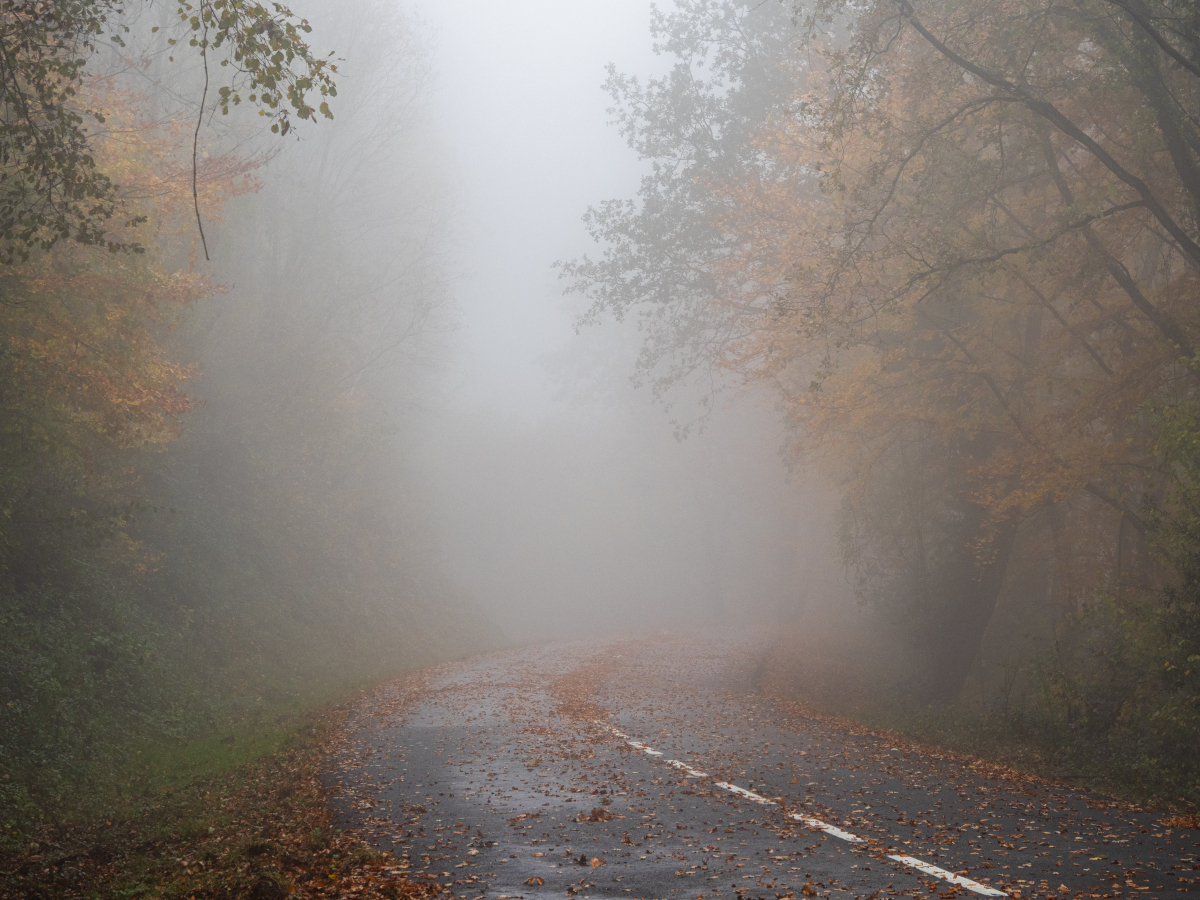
[
  {"x": 860, "y": 689},
  {"x": 241, "y": 818}
]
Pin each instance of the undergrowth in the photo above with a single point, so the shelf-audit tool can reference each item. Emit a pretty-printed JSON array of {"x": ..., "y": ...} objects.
[
  {"x": 1106, "y": 722},
  {"x": 244, "y": 819}
]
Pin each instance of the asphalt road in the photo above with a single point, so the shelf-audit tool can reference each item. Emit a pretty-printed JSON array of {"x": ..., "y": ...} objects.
[{"x": 651, "y": 768}]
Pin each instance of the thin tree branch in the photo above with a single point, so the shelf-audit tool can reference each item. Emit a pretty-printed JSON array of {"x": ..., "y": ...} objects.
[
  {"x": 1167, "y": 326},
  {"x": 1052, "y": 114},
  {"x": 1119, "y": 505},
  {"x": 196, "y": 136},
  {"x": 1139, "y": 16}
]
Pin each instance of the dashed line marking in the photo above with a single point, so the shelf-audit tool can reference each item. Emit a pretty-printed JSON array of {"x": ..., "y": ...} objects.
[
  {"x": 948, "y": 876},
  {"x": 910, "y": 861},
  {"x": 742, "y": 792},
  {"x": 684, "y": 767},
  {"x": 828, "y": 829}
]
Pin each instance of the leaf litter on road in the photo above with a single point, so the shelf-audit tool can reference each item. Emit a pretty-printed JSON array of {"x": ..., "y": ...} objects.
[{"x": 967, "y": 816}]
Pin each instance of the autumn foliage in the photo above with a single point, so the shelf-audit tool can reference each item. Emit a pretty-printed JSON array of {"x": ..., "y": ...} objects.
[
  {"x": 90, "y": 390},
  {"x": 959, "y": 243},
  {"x": 194, "y": 544}
]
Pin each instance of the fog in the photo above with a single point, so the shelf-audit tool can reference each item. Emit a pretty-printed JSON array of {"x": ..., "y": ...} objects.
[
  {"x": 469, "y": 359},
  {"x": 397, "y": 340},
  {"x": 565, "y": 498},
  {"x": 519, "y": 99}
]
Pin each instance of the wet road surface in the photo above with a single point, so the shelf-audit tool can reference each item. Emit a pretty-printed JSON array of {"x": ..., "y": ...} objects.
[{"x": 651, "y": 768}]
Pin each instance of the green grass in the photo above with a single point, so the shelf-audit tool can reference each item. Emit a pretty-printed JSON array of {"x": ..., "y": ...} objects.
[
  {"x": 206, "y": 818},
  {"x": 137, "y": 771},
  {"x": 164, "y": 765}
]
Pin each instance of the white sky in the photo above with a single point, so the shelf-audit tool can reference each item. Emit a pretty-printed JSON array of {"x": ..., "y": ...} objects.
[
  {"x": 566, "y": 515},
  {"x": 519, "y": 86}
]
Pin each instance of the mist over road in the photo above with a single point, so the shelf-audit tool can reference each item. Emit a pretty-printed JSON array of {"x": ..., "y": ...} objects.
[{"x": 650, "y": 767}]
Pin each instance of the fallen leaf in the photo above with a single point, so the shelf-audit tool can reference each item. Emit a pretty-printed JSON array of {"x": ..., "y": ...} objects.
[
  {"x": 1181, "y": 821},
  {"x": 598, "y": 814}
]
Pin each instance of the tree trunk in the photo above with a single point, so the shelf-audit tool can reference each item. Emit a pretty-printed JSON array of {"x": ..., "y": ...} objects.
[{"x": 969, "y": 592}]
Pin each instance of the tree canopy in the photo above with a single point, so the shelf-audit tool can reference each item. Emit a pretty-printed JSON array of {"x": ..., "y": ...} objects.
[
  {"x": 51, "y": 187},
  {"x": 161, "y": 585},
  {"x": 960, "y": 242}
]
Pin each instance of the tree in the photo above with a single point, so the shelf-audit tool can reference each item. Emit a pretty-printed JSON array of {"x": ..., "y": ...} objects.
[
  {"x": 90, "y": 390},
  {"x": 947, "y": 236},
  {"x": 51, "y": 187},
  {"x": 158, "y": 582},
  {"x": 81, "y": 350},
  {"x": 296, "y": 472}
]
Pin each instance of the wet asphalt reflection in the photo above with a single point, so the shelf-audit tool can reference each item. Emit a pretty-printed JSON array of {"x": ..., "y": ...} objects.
[{"x": 502, "y": 777}]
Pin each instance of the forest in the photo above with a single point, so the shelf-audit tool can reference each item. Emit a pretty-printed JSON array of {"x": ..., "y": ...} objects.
[
  {"x": 952, "y": 245},
  {"x": 205, "y": 523},
  {"x": 958, "y": 243}
]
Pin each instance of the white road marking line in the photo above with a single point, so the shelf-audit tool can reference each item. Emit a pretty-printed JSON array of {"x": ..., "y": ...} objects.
[
  {"x": 910, "y": 861},
  {"x": 695, "y": 773},
  {"x": 829, "y": 829},
  {"x": 757, "y": 798},
  {"x": 948, "y": 876}
]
